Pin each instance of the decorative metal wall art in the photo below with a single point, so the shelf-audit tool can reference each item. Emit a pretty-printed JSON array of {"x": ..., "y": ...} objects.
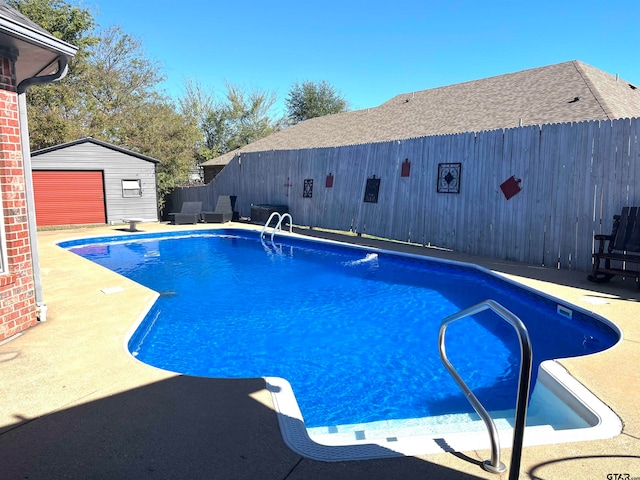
[
  {"x": 372, "y": 189},
  {"x": 307, "y": 191},
  {"x": 449, "y": 177}
]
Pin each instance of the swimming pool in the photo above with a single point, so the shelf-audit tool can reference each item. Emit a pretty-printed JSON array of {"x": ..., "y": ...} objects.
[{"x": 348, "y": 328}]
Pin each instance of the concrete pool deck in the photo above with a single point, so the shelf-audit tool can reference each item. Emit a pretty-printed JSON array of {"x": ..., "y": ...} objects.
[{"x": 76, "y": 405}]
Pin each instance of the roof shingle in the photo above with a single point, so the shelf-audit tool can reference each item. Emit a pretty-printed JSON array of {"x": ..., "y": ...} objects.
[{"x": 565, "y": 92}]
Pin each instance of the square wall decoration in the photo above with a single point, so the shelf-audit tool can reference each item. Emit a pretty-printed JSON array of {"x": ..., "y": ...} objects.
[
  {"x": 449, "y": 177},
  {"x": 307, "y": 191}
]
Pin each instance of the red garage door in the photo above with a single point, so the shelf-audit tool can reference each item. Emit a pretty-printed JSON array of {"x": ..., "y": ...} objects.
[{"x": 68, "y": 197}]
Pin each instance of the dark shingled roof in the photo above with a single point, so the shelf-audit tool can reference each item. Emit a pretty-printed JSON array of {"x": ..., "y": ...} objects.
[{"x": 565, "y": 92}]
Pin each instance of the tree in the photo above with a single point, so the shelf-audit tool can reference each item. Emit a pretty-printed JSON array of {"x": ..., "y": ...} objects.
[
  {"x": 248, "y": 116},
  {"x": 51, "y": 107},
  {"x": 63, "y": 20},
  {"x": 242, "y": 117},
  {"x": 157, "y": 130},
  {"x": 110, "y": 93},
  {"x": 313, "y": 99},
  {"x": 198, "y": 105},
  {"x": 196, "y": 101},
  {"x": 120, "y": 104},
  {"x": 117, "y": 80}
]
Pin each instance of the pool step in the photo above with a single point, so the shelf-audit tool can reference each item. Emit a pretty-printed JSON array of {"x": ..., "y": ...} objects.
[{"x": 392, "y": 430}]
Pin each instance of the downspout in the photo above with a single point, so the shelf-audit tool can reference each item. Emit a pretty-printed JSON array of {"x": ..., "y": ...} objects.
[{"x": 28, "y": 178}]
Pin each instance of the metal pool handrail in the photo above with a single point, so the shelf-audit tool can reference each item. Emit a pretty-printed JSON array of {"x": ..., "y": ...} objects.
[
  {"x": 495, "y": 465},
  {"x": 278, "y": 223},
  {"x": 266, "y": 225}
]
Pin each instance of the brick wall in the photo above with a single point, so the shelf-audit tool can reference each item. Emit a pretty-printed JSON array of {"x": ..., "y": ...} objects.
[{"x": 17, "y": 294}]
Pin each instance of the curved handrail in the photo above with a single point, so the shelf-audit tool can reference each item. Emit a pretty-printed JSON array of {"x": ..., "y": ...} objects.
[
  {"x": 281, "y": 218},
  {"x": 273, "y": 214},
  {"x": 495, "y": 465},
  {"x": 279, "y": 224}
]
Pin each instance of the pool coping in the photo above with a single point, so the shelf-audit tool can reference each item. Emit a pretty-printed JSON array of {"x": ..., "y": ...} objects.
[{"x": 38, "y": 366}]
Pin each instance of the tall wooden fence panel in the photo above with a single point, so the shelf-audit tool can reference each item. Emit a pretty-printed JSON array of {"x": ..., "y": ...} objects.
[{"x": 573, "y": 177}]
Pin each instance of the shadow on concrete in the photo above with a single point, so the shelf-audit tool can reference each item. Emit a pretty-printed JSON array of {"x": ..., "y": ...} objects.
[{"x": 180, "y": 428}]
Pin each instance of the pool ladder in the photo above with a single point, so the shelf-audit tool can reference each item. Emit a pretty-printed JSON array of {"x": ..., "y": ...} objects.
[
  {"x": 495, "y": 465},
  {"x": 278, "y": 227},
  {"x": 275, "y": 248}
]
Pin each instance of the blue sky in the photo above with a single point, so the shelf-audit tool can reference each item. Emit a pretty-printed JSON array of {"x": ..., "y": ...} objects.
[{"x": 372, "y": 50}]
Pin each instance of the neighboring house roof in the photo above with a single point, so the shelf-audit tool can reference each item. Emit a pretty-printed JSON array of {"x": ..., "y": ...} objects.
[
  {"x": 36, "y": 49},
  {"x": 96, "y": 142},
  {"x": 565, "y": 92}
]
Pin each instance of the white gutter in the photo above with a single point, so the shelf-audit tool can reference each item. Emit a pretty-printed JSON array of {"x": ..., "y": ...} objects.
[
  {"x": 36, "y": 37},
  {"x": 28, "y": 178}
]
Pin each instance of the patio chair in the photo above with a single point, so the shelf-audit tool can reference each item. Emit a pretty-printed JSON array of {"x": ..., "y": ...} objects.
[
  {"x": 623, "y": 248},
  {"x": 223, "y": 212},
  {"x": 189, "y": 213}
]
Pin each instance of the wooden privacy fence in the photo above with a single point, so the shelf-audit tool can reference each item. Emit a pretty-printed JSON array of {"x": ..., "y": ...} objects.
[{"x": 573, "y": 178}]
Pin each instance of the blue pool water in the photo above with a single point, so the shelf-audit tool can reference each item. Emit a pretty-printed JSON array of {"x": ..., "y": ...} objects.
[{"x": 355, "y": 333}]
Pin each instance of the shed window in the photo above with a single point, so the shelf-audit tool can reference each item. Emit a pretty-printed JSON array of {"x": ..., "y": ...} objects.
[{"x": 131, "y": 188}]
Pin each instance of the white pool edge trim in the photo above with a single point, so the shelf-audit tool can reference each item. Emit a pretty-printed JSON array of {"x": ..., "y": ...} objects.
[{"x": 606, "y": 424}]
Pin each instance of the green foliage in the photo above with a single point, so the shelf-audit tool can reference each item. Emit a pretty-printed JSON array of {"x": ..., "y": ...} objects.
[
  {"x": 241, "y": 118},
  {"x": 195, "y": 105},
  {"x": 119, "y": 103},
  {"x": 117, "y": 80},
  {"x": 158, "y": 131},
  {"x": 313, "y": 99},
  {"x": 247, "y": 116},
  {"x": 51, "y": 107},
  {"x": 110, "y": 93},
  {"x": 66, "y": 22}
]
